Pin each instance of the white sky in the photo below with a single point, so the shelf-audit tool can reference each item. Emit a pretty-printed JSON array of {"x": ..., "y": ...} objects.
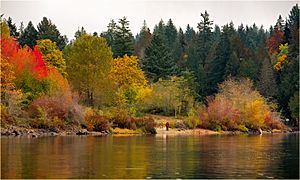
[{"x": 94, "y": 15}]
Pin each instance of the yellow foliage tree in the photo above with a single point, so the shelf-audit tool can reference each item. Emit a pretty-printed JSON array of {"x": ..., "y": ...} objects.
[
  {"x": 130, "y": 80},
  {"x": 126, "y": 72},
  {"x": 281, "y": 56},
  {"x": 7, "y": 75},
  {"x": 52, "y": 55}
]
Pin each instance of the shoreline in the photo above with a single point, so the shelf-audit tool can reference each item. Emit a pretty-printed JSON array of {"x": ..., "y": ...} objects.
[{"x": 32, "y": 132}]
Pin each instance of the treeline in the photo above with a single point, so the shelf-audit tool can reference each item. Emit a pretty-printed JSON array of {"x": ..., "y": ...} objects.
[{"x": 168, "y": 71}]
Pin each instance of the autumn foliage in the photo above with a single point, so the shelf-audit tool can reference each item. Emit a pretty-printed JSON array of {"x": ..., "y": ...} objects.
[
  {"x": 23, "y": 59},
  {"x": 238, "y": 107}
]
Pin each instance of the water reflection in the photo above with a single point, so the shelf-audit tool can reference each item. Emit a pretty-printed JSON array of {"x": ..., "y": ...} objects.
[{"x": 267, "y": 156}]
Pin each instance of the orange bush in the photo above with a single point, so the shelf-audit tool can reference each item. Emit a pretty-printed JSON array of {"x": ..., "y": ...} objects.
[
  {"x": 237, "y": 106},
  {"x": 96, "y": 122}
]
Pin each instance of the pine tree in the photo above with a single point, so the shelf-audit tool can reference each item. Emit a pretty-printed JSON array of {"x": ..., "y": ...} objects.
[
  {"x": 189, "y": 34},
  {"x": 48, "y": 30},
  {"x": 267, "y": 82},
  {"x": 204, "y": 38},
  {"x": 171, "y": 35},
  {"x": 218, "y": 66},
  {"x": 232, "y": 65},
  {"x": 29, "y": 36},
  {"x": 123, "y": 42},
  {"x": 158, "y": 61},
  {"x": 293, "y": 24},
  {"x": 110, "y": 34},
  {"x": 143, "y": 40},
  {"x": 80, "y": 32},
  {"x": 12, "y": 28},
  {"x": 180, "y": 50},
  {"x": 288, "y": 82}
]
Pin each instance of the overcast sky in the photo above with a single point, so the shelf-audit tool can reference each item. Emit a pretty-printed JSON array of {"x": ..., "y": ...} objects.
[{"x": 94, "y": 15}]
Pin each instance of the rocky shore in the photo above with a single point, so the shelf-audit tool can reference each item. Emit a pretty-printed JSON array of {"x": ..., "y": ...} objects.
[{"x": 31, "y": 132}]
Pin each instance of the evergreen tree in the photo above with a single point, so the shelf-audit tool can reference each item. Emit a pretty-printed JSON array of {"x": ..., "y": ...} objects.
[
  {"x": 80, "y": 32},
  {"x": 29, "y": 36},
  {"x": 180, "y": 50},
  {"x": 48, "y": 30},
  {"x": 158, "y": 61},
  {"x": 218, "y": 66},
  {"x": 189, "y": 34},
  {"x": 289, "y": 76},
  {"x": 110, "y": 34},
  {"x": 232, "y": 65},
  {"x": 12, "y": 28},
  {"x": 171, "y": 35},
  {"x": 293, "y": 24},
  {"x": 143, "y": 40},
  {"x": 267, "y": 82},
  {"x": 21, "y": 28},
  {"x": 216, "y": 34},
  {"x": 204, "y": 38},
  {"x": 123, "y": 42},
  {"x": 160, "y": 30}
]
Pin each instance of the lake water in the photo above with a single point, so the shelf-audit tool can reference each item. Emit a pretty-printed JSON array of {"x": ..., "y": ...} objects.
[{"x": 266, "y": 156}]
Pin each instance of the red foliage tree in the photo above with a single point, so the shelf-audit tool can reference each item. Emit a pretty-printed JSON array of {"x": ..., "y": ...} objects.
[
  {"x": 274, "y": 41},
  {"x": 23, "y": 59}
]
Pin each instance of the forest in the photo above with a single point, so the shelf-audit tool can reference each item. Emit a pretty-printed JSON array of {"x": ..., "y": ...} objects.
[{"x": 212, "y": 77}]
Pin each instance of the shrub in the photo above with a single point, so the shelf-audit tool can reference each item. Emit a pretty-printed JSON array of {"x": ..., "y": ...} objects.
[
  {"x": 238, "y": 107},
  {"x": 147, "y": 124},
  {"x": 57, "y": 107},
  {"x": 52, "y": 106},
  {"x": 242, "y": 128},
  {"x": 96, "y": 122},
  {"x": 121, "y": 118},
  {"x": 192, "y": 121},
  {"x": 5, "y": 116},
  {"x": 43, "y": 122},
  {"x": 169, "y": 97}
]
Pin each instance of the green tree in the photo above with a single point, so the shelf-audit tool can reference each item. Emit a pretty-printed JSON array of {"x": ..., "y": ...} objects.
[
  {"x": 204, "y": 38},
  {"x": 12, "y": 28},
  {"x": 218, "y": 66},
  {"x": 48, "y": 30},
  {"x": 189, "y": 34},
  {"x": 294, "y": 106},
  {"x": 52, "y": 55},
  {"x": 110, "y": 34},
  {"x": 143, "y": 40},
  {"x": 123, "y": 42},
  {"x": 171, "y": 35},
  {"x": 80, "y": 32},
  {"x": 288, "y": 81},
  {"x": 158, "y": 62},
  {"x": 89, "y": 62},
  {"x": 180, "y": 50},
  {"x": 267, "y": 81},
  {"x": 29, "y": 36},
  {"x": 159, "y": 30},
  {"x": 232, "y": 65}
]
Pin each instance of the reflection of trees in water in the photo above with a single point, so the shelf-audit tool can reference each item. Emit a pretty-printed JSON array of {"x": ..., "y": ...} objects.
[
  {"x": 149, "y": 156},
  {"x": 290, "y": 152},
  {"x": 239, "y": 156}
]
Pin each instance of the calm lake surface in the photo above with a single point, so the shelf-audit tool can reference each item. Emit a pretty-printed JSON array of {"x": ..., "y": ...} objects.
[{"x": 266, "y": 156}]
